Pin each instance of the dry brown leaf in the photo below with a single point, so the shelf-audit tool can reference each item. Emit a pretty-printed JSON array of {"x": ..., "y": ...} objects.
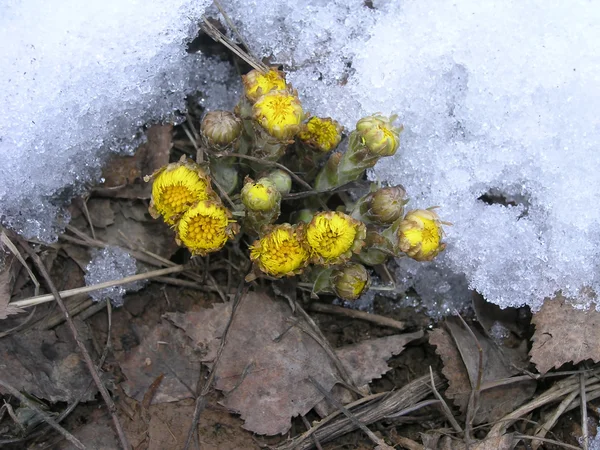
[
  {"x": 504, "y": 442},
  {"x": 266, "y": 362},
  {"x": 96, "y": 433},
  {"x": 101, "y": 213},
  {"x": 460, "y": 356},
  {"x": 163, "y": 350},
  {"x": 563, "y": 334},
  {"x": 39, "y": 363},
  {"x": 124, "y": 174},
  {"x": 206, "y": 337}
]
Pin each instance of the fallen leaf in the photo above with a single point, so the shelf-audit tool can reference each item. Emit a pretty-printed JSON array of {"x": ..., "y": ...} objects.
[
  {"x": 504, "y": 442},
  {"x": 563, "y": 334},
  {"x": 163, "y": 350},
  {"x": 124, "y": 175},
  {"x": 39, "y": 363},
  {"x": 207, "y": 337},
  {"x": 96, "y": 433},
  {"x": 460, "y": 356},
  {"x": 266, "y": 362},
  {"x": 101, "y": 213}
]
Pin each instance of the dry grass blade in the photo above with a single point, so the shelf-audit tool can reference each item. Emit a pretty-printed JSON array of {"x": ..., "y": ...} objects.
[
  {"x": 13, "y": 248},
  {"x": 367, "y": 413},
  {"x": 348, "y": 414},
  {"x": 82, "y": 290},
  {"x": 551, "y": 421},
  {"x": 584, "y": 421},
  {"x": 555, "y": 393},
  {"x": 215, "y": 34}
]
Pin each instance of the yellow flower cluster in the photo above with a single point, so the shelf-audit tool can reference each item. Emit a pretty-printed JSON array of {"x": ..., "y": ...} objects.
[
  {"x": 331, "y": 249},
  {"x": 183, "y": 197},
  {"x": 329, "y": 239}
]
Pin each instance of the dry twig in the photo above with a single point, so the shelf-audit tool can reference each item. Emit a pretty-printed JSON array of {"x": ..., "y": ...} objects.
[
  {"x": 86, "y": 356},
  {"x": 201, "y": 399},
  {"x": 355, "y": 314}
]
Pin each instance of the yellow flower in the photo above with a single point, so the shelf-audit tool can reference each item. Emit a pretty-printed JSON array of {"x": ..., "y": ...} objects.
[
  {"x": 177, "y": 187},
  {"x": 261, "y": 195},
  {"x": 281, "y": 252},
  {"x": 378, "y": 134},
  {"x": 420, "y": 235},
  {"x": 257, "y": 83},
  {"x": 321, "y": 134},
  {"x": 333, "y": 236},
  {"x": 205, "y": 227},
  {"x": 279, "y": 113},
  {"x": 350, "y": 281}
]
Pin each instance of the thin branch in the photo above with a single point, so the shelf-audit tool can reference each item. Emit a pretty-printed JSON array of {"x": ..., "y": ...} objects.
[
  {"x": 201, "y": 399},
  {"x": 584, "y": 416},
  {"x": 355, "y": 314},
  {"x": 445, "y": 407},
  {"x": 86, "y": 356}
]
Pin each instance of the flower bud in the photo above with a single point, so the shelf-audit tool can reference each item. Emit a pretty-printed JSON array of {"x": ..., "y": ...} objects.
[
  {"x": 320, "y": 134},
  {"x": 221, "y": 129},
  {"x": 420, "y": 235},
  {"x": 350, "y": 281},
  {"x": 282, "y": 181},
  {"x": 378, "y": 134},
  {"x": 261, "y": 195},
  {"x": 257, "y": 83},
  {"x": 386, "y": 205},
  {"x": 279, "y": 113}
]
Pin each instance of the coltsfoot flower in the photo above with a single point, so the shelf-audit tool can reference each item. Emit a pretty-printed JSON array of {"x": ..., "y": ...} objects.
[
  {"x": 333, "y": 236},
  {"x": 320, "y": 134},
  {"x": 378, "y": 134},
  {"x": 279, "y": 113},
  {"x": 420, "y": 235},
  {"x": 257, "y": 83},
  {"x": 350, "y": 281},
  {"x": 176, "y": 187},
  {"x": 206, "y": 227},
  {"x": 261, "y": 195},
  {"x": 281, "y": 252},
  {"x": 221, "y": 129}
]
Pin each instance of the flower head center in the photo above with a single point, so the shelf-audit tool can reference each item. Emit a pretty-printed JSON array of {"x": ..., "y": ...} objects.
[
  {"x": 331, "y": 236},
  {"x": 179, "y": 197},
  {"x": 279, "y": 252}
]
